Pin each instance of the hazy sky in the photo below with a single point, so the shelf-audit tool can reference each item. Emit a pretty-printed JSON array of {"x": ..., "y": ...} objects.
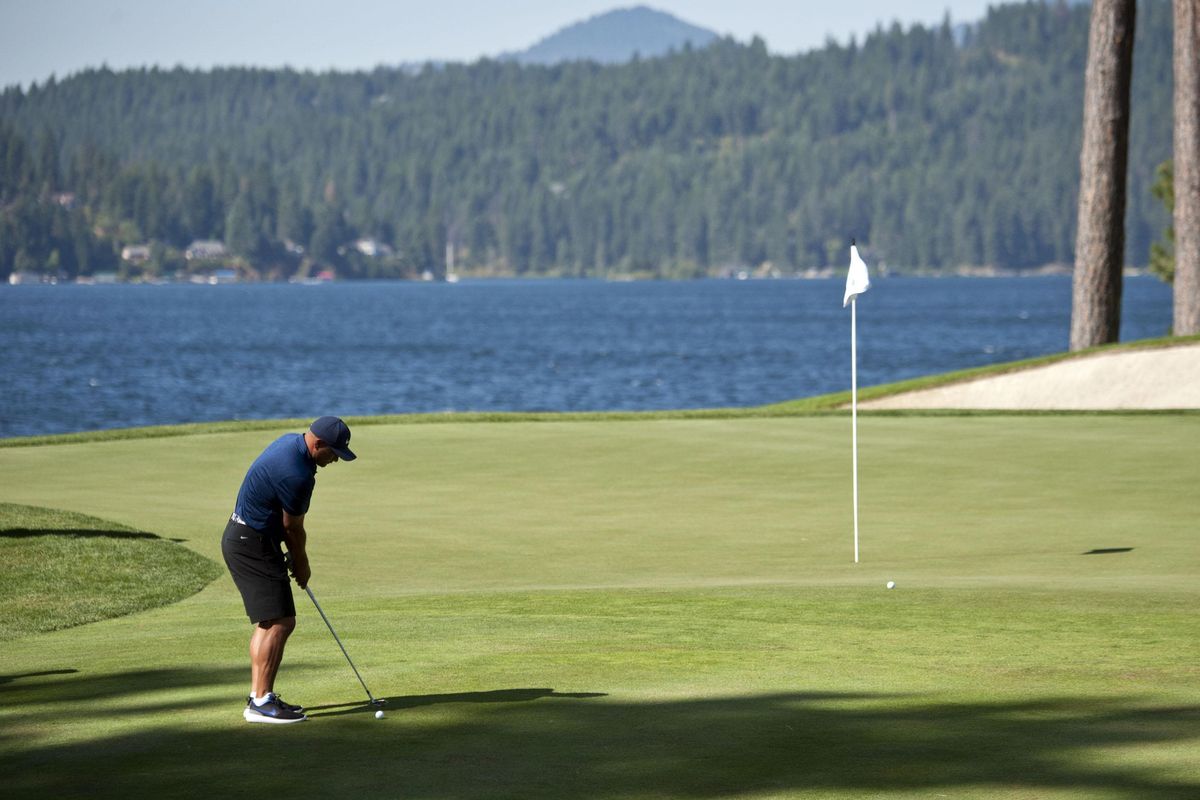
[{"x": 43, "y": 37}]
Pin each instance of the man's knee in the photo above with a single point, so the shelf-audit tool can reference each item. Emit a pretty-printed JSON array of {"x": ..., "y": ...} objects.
[{"x": 279, "y": 625}]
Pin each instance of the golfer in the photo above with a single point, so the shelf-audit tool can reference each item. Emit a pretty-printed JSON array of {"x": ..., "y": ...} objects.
[{"x": 268, "y": 516}]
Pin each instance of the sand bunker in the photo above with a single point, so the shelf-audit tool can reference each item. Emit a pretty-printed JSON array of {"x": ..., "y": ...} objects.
[{"x": 1148, "y": 378}]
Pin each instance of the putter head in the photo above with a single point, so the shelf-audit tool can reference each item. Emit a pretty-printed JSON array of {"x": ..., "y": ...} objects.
[{"x": 379, "y": 702}]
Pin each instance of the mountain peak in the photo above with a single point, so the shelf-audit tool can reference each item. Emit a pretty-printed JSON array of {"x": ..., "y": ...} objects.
[{"x": 615, "y": 37}]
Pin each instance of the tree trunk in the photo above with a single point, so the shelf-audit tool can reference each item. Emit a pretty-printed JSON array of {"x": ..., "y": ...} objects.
[
  {"x": 1187, "y": 167},
  {"x": 1100, "y": 241}
]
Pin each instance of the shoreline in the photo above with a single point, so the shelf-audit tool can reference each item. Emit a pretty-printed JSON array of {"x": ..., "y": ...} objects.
[{"x": 813, "y": 274}]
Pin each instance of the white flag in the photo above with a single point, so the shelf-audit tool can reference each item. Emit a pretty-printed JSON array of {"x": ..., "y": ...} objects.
[{"x": 857, "y": 281}]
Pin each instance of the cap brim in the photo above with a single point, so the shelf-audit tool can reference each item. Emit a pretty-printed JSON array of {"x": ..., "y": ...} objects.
[{"x": 344, "y": 453}]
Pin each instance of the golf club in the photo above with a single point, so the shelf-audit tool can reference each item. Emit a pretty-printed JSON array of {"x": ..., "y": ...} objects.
[{"x": 370, "y": 696}]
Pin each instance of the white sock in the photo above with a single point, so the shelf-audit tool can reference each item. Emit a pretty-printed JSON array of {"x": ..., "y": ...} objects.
[{"x": 262, "y": 701}]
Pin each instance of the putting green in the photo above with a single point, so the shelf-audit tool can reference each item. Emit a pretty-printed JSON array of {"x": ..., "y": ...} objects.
[{"x": 659, "y": 608}]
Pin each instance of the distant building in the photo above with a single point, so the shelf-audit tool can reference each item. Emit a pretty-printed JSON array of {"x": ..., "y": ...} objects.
[
  {"x": 136, "y": 253},
  {"x": 372, "y": 248},
  {"x": 204, "y": 250}
]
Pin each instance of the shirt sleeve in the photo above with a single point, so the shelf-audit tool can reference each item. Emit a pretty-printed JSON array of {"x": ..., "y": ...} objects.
[{"x": 295, "y": 494}]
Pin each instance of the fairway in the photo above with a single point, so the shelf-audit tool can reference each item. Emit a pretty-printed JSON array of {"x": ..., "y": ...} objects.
[{"x": 659, "y": 608}]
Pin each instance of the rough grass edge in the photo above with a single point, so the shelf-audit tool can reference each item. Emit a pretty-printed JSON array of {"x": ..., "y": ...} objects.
[
  {"x": 820, "y": 405},
  {"x": 32, "y": 606}
]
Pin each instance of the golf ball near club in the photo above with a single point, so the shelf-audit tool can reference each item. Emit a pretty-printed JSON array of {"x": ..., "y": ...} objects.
[
  {"x": 379, "y": 714},
  {"x": 891, "y": 584}
]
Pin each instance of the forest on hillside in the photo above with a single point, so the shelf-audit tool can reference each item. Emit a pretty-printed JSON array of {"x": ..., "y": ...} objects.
[{"x": 936, "y": 148}]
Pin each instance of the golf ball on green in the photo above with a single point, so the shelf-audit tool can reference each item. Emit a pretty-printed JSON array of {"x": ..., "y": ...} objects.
[
  {"x": 379, "y": 714},
  {"x": 891, "y": 584}
]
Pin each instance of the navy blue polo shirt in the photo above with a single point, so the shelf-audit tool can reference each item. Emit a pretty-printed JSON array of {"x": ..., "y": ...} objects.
[{"x": 280, "y": 479}]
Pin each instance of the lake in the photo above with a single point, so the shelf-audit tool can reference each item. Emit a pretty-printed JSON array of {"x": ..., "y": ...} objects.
[{"x": 88, "y": 357}]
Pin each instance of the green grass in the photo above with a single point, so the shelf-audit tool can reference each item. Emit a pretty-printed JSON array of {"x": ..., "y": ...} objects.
[
  {"x": 650, "y": 608},
  {"x": 64, "y": 569}
]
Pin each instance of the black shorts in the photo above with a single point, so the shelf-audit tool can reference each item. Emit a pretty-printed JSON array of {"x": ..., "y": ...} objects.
[{"x": 255, "y": 561}]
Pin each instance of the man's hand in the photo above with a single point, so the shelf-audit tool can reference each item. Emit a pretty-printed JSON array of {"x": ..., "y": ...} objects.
[{"x": 301, "y": 572}]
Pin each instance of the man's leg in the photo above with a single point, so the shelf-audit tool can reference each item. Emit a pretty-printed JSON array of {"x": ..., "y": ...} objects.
[{"x": 266, "y": 652}]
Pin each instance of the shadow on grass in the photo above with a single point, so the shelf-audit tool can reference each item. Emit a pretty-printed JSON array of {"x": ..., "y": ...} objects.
[
  {"x": 10, "y": 678},
  {"x": 534, "y": 743},
  {"x": 414, "y": 701},
  {"x": 42, "y": 698},
  {"x": 79, "y": 533},
  {"x": 20, "y": 522}
]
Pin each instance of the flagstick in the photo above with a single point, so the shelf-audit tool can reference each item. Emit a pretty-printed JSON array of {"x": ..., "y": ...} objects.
[
  {"x": 854, "y": 409},
  {"x": 857, "y": 282}
]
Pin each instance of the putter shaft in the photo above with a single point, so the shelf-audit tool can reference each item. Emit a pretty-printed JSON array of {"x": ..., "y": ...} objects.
[{"x": 370, "y": 696}]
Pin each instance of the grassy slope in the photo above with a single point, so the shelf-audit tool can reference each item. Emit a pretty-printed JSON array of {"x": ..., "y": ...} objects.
[
  {"x": 652, "y": 608},
  {"x": 64, "y": 569}
]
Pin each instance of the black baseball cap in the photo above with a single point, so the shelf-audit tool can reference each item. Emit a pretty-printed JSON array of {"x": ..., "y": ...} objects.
[{"x": 335, "y": 433}]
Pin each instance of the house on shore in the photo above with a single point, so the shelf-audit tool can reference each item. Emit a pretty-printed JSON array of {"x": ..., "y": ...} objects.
[
  {"x": 205, "y": 250},
  {"x": 136, "y": 253}
]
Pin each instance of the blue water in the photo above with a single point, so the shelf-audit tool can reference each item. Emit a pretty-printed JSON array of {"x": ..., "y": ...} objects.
[{"x": 88, "y": 357}]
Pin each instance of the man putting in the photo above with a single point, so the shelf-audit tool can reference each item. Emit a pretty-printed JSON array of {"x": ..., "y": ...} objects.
[{"x": 269, "y": 515}]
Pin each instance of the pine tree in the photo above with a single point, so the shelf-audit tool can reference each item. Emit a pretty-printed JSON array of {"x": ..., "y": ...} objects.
[
  {"x": 1100, "y": 242},
  {"x": 1186, "y": 186}
]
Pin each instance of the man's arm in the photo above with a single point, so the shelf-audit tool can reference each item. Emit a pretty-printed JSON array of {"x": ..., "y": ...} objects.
[{"x": 295, "y": 537}]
